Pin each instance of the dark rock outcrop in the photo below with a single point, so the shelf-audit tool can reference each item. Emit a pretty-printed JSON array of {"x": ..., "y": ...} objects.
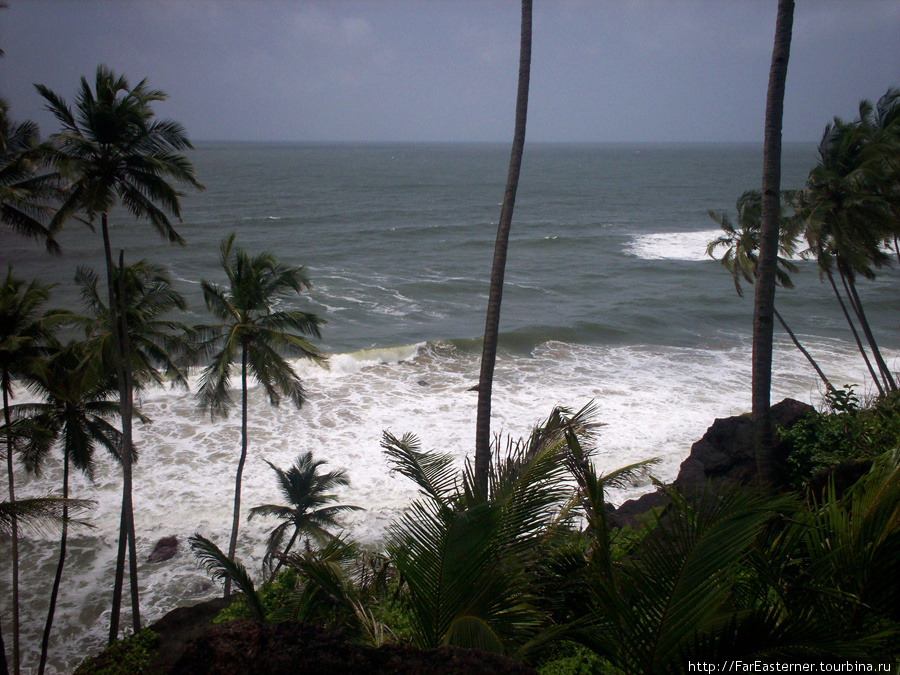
[
  {"x": 725, "y": 453},
  {"x": 165, "y": 548},
  {"x": 723, "y": 456},
  {"x": 177, "y": 628},
  {"x": 245, "y": 647}
]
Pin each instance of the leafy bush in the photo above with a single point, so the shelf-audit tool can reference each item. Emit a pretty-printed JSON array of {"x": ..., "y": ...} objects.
[
  {"x": 845, "y": 431},
  {"x": 571, "y": 658},
  {"x": 273, "y": 595},
  {"x": 128, "y": 656}
]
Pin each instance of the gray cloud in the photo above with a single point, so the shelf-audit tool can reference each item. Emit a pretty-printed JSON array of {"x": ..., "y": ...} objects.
[{"x": 445, "y": 70}]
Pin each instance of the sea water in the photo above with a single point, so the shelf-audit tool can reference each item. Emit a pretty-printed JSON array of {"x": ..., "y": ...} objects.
[{"x": 609, "y": 298}]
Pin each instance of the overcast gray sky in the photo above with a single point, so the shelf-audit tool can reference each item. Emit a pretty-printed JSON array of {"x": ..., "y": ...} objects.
[{"x": 445, "y": 70}]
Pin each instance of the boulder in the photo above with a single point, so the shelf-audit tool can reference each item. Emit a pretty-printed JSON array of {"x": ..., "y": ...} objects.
[
  {"x": 165, "y": 548},
  {"x": 183, "y": 624},
  {"x": 724, "y": 455}
]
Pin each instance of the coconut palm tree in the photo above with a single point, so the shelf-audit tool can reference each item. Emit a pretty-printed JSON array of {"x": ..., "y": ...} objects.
[
  {"x": 464, "y": 556},
  {"x": 24, "y": 193},
  {"x": 764, "y": 297},
  {"x": 257, "y": 336},
  {"x": 741, "y": 244},
  {"x": 308, "y": 494},
  {"x": 112, "y": 151},
  {"x": 158, "y": 345},
  {"x": 498, "y": 267},
  {"x": 849, "y": 209},
  {"x": 25, "y": 331},
  {"x": 75, "y": 409}
]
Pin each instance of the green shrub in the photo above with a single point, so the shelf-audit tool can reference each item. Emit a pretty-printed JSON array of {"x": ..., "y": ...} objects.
[
  {"x": 845, "y": 431},
  {"x": 128, "y": 656},
  {"x": 273, "y": 595},
  {"x": 571, "y": 658}
]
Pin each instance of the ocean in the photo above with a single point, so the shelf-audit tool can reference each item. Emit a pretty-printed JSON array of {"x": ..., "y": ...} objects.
[{"x": 609, "y": 298}]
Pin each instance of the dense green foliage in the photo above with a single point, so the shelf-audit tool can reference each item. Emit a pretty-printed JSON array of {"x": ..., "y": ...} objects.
[
  {"x": 128, "y": 656},
  {"x": 845, "y": 431}
]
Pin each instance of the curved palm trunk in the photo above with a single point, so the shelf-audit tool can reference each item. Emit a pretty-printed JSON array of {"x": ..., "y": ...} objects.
[
  {"x": 285, "y": 552},
  {"x": 126, "y": 520},
  {"x": 764, "y": 298},
  {"x": 45, "y": 641},
  {"x": 859, "y": 344},
  {"x": 232, "y": 544},
  {"x": 856, "y": 303},
  {"x": 14, "y": 527},
  {"x": 498, "y": 269},
  {"x": 803, "y": 351}
]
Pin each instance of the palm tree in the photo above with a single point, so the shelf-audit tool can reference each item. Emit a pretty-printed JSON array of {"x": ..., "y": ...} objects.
[
  {"x": 850, "y": 207},
  {"x": 158, "y": 345},
  {"x": 498, "y": 267},
  {"x": 24, "y": 333},
  {"x": 764, "y": 298},
  {"x": 75, "y": 411},
  {"x": 465, "y": 556},
  {"x": 255, "y": 334},
  {"x": 23, "y": 193},
  {"x": 741, "y": 243},
  {"x": 112, "y": 150},
  {"x": 308, "y": 493}
]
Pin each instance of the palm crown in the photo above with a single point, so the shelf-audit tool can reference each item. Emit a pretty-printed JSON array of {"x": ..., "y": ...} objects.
[
  {"x": 253, "y": 329},
  {"x": 308, "y": 494},
  {"x": 23, "y": 193},
  {"x": 741, "y": 240},
  {"x": 158, "y": 347},
  {"x": 113, "y": 150}
]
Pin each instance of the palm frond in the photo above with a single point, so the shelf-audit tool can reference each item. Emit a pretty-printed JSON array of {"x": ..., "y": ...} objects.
[
  {"x": 220, "y": 567},
  {"x": 40, "y": 515}
]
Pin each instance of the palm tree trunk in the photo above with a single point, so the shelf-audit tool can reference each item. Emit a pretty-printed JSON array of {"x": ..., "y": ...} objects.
[
  {"x": 127, "y": 483},
  {"x": 764, "y": 298},
  {"x": 232, "y": 545},
  {"x": 14, "y": 526},
  {"x": 4, "y": 666},
  {"x": 498, "y": 268},
  {"x": 45, "y": 641},
  {"x": 856, "y": 303},
  {"x": 284, "y": 552},
  {"x": 803, "y": 351},
  {"x": 859, "y": 344},
  {"x": 119, "y": 358}
]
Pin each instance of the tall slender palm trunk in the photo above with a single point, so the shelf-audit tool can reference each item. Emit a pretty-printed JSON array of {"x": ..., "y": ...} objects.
[
  {"x": 498, "y": 268},
  {"x": 764, "y": 298},
  {"x": 859, "y": 344},
  {"x": 803, "y": 351},
  {"x": 236, "y": 519},
  {"x": 856, "y": 304},
  {"x": 128, "y": 483},
  {"x": 126, "y": 522},
  {"x": 54, "y": 594},
  {"x": 14, "y": 527},
  {"x": 4, "y": 666}
]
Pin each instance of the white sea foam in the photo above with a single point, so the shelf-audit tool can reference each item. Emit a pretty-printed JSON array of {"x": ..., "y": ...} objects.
[
  {"x": 690, "y": 246},
  {"x": 654, "y": 402}
]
